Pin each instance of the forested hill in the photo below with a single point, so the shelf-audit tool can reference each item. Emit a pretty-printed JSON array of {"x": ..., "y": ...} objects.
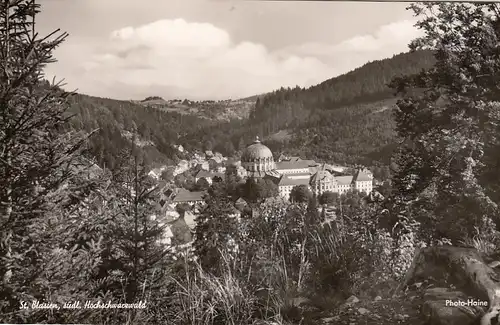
[
  {"x": 118, "y": 122},
  {"x": 346, "y": 119}
]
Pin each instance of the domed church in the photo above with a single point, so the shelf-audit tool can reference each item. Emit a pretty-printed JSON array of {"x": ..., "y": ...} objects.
[{"x": 258, "y": 160}]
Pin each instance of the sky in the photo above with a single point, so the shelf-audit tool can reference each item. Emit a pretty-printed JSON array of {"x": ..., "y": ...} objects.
[{"x": 216, "y": 49}]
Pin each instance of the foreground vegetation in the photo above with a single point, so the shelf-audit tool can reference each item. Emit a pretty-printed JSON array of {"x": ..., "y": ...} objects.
[{"x": 70, "y": 231}]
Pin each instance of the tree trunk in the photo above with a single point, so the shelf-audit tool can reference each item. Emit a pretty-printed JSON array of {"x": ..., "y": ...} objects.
[{"x": 466, "y": 270}]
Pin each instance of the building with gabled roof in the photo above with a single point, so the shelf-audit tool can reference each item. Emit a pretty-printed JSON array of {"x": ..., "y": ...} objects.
[
  {"x": 363, "y": 180},
  {"x": 323, "y": 181},
  {"x": 185, "y": 196}
]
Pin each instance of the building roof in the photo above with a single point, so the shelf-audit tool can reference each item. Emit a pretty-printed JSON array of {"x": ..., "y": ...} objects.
[
  {"x": 256, "y": 151},
  {"x": 344, "y": 180},
  {"x": 322, "y": 176},
  {"x": 186, "y": 196},
  {"x": 300, "y": 175},
  {"x": 207, "y": 174},
  {"x": 240, "y": 201},
  {"x": 286, "y": 181},
  {"x": 293, "y": 164},
  {"x": 203, "y": 173},
  {"x": 361, "y": 176}
]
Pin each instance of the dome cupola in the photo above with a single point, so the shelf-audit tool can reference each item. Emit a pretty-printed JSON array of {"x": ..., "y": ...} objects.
[
  {"x": 256, "y": 151},
  {"x": 257, "y": 159}
]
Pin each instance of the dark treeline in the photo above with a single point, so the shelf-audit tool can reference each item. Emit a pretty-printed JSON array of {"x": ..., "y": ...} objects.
[{"x": 114, "y": 119}]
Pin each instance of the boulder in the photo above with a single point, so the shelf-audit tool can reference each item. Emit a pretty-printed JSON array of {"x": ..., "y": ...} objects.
[
  {"x": 442, "y": 307},
  {"x": 351, "y": 300}
]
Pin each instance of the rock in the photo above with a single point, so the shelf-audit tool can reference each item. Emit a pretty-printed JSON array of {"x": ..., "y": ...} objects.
[
  {"x": 363, "y": 311},
  {"x": 436, "y": 312},
  {"x": 443, "y": 294},
  {"x": 351, "y": 300},
  {"x": 494, "y": 264},
  {"x": 377, "y": 298}
]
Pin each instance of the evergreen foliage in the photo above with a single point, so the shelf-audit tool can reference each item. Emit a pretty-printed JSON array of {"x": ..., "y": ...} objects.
[
  {"x": 42, "y": 182},
  {"x": 448, "y": 119}
]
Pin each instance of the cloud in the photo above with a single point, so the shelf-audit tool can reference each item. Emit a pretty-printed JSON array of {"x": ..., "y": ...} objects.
[
  {"x": 181, "y": 59},
  {"x": 351, "y": 53},
  {"x": 194, "y": 60}
]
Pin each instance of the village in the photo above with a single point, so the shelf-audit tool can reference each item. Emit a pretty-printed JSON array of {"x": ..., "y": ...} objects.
[{"x": 180, "y": 206}]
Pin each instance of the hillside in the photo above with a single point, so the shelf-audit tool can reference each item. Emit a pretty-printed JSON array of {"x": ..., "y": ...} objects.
[
  {"x": 119, "y": 122},
  {"x": 347, "y": 119},
  {"x": 222, "y": 110}
]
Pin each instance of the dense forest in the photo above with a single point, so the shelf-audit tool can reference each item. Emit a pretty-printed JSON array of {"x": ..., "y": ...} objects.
[
  {"x": 112, "y": 120},
  {"x": 346, "y": 119}
]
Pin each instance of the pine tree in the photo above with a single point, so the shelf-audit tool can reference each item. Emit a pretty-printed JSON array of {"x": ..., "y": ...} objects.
[
  {"x": 216, "y": 232},
  {"x": 449, "y": 121},
  {"x": 42, "y": 184},
  {"x": 139, "y": 256}
]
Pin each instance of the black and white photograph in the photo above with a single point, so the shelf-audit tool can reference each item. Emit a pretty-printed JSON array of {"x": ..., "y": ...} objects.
[{"x": 236, "y": 162}]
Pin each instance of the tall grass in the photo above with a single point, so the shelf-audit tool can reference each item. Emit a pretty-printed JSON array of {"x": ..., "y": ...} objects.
[
  {"x": 262, "y": 280},
  {"x": 259, "y": 292}
]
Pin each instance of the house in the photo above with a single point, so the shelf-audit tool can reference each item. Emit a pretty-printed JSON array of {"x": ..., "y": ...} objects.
[
  {"x": 363, "y": 181},
  {"x": 185, "y": 196},
  {"x": 155, "y": 173},
  {"x": 240, "y": 204}
]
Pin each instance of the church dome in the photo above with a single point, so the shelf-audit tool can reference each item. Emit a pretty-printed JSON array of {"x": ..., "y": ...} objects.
[{"x": 256, "y": 151}]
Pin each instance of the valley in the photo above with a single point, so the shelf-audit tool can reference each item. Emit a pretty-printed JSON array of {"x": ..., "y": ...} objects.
[{"x": 346, "y": 119}]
